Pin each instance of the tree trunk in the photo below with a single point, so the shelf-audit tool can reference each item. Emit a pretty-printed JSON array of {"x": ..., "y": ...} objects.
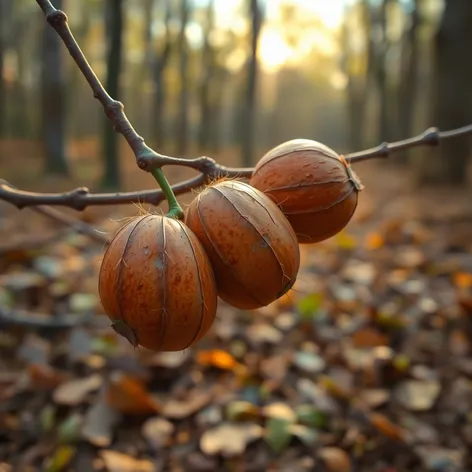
[
  {"x": 159, "y": 63},
  {"x": 356, "y": 85},
  {"x": 381, "y": 76},
  {"x": 408, "y": 80},
  {"x": 452, "y": 95},
  {"x": 5, "y": 12},
  {"x": 53, "y": 101},
  {"x": 220, "y": 81},
  {"x": 183, "y": 122},
  {"x": 207, "y": 84},
  {"x": 248, "y": 122},
  {"x": 114, "y": 11}
]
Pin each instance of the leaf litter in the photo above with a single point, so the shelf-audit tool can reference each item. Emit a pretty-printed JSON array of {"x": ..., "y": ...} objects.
[{"x": 366, "y": 364}]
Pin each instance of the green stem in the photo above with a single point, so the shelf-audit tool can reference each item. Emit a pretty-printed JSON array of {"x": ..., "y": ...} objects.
[{"x": 175, "y": 210}]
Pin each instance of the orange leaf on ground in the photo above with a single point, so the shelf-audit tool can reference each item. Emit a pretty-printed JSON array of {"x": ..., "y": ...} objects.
[
  {"x": 128, "y": 395},
  {"x": 382, "y": 424},
  {"x": 217, "y": 358},
  {"x": 368, "y": 337},
  {"x": 44, "y": 377},
  {"x": 462, "y": 280},
  {"x": 374, "y": 241}
]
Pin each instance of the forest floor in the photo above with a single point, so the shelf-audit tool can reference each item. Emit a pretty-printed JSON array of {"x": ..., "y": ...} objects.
[{"x": 366, "y": 365}]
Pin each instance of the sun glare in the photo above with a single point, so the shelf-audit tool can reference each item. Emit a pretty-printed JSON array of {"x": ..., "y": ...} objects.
[{"x": 273, "y": 50}]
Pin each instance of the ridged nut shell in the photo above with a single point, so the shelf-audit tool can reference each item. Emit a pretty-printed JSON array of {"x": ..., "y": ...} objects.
[
  {"x": 314, "y": 187},
  {"x": 251, "y": 245},
  {"x": 156, "y": 283}
]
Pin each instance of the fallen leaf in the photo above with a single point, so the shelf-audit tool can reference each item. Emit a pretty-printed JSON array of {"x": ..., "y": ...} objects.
[
  {"x": 168, "y": 360},
  {"x": 119, "y": 462},
  {"x": 70, "y": 429},
  {"x": 128, "y": 395},
  {"x": 279, "y": 411},
  {"x": 278, "y": 434},
  {"x": 22, "y": 280},
  {"x": 308, "y": 436},
  {"x": 309, "y": 415},
  {"x": 179, "y": 409},
  {"x": 418, "y": 395},
  {"x": 345, "y": 241},
  {"x": 83, "y": 302},
  {"x": 368, "y": 338},
  {"x": 60, "y": 459},
  {"x": 309, "y": 306},
  {"x": 74, "y": 392},
  {"x": 157, "y": 432},
  {"x": 375, "y": 397},
  {"x": 217, "y": 358},
  {"x": 259, "y": 333},
  {"x": 242, "y": 411},
  {"x": 229, "y": 439},
  {"x": 440, "y": 458},
  {"x": 462, "y": 279},
  {"x": 335, "y": 459},
  {"x": 99, "y": 423},
  {"x": 44, "y": 377},
  {"x": 47, "y": 418},
  {"x": 359, "y": 272},
  {"x": 309, "y": 362},
  {"x": 274, "y": 367},
  {"x": 386, "y": 427},
  {"x": 79, "y": 345},
  {"x": 34, "y": 349},
  {"x": 374, "y": 241}
]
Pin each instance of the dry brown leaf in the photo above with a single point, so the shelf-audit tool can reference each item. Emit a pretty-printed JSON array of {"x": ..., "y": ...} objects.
[
  {"x": 157, "y": 431},
  {"x": 280, "y": 411},
  {"x": 386, "y": 427},
  {"x": 179, "y": 409},
  {"x": 129, "y": 396},
  {"x": 118, "y": 462},
  {"x": 74, "y": 392},
  {"x": 229, "y": 439},
  {"x": 44, "y": 377},
  {"x": 368, "y": 337},
  {"x": 335, "y": 459},
  {"x": 418, "y": 395}
]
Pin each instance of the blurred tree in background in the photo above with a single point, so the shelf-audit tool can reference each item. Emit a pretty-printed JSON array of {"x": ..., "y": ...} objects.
[{"x": 234, "y": 78}]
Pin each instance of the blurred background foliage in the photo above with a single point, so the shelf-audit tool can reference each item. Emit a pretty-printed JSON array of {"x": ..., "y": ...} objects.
[{"x": 233, "y": 78}]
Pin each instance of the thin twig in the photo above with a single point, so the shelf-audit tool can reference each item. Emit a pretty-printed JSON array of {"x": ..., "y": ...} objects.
[
  {"x": 430, "y": 137},
  {"x": 71, "y": 222}
]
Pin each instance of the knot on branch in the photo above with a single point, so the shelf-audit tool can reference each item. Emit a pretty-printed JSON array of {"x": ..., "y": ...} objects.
[
  {"x": 431, "y": 136},
  {"x": 56, "y": 18},
  {"x": 113, "y": 111},
  {"x": 208, "y": 166}
]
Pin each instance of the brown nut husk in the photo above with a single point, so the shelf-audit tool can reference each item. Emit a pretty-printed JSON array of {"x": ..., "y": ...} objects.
[
  {"x": 314, "y": 186},
  {"x": 157, "y": 285},
  {"x": 251, "y": 245}
]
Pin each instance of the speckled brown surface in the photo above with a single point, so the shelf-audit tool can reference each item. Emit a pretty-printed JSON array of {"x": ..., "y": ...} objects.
[
  {"x": 156, "y": 277},
  {"x": 252, "y": 247},
  {"x": 312, "y": 186}
]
